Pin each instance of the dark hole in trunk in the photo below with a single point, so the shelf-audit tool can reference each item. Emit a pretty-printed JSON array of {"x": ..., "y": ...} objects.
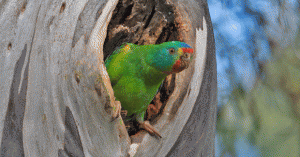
[{"x": 141, "y": 25}]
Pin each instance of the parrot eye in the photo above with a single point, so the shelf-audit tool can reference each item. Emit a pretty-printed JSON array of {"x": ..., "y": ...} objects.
[{"x": 171, "y": 51}]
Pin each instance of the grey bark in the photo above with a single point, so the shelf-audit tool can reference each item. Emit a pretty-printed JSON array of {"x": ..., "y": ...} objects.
[{"x": 56, "y": 97}]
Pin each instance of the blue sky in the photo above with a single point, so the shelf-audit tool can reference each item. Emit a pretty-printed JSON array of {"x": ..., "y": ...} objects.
[{"x": 242, "y": 42}]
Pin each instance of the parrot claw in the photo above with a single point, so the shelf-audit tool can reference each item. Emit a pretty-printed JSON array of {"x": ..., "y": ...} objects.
[
  {"x": 116, "y": 111},
  {"x": 149, "y": 128}
]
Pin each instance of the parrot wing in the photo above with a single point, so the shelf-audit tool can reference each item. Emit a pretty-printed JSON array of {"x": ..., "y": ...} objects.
[
  {"x": 117, "y": 51},
  {"x": 133, "y": 94},
  {"x": 115, "y": 64}
]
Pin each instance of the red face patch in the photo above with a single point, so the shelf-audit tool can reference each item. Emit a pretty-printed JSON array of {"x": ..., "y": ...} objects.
[
  {"x": 187, "y": 50},
  {"x": 177, "y": 66},
  {"x": 183, "y": 62}
]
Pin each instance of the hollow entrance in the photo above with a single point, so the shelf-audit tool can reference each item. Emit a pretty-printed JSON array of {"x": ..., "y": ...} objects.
[{"x": 144, "y": 22}]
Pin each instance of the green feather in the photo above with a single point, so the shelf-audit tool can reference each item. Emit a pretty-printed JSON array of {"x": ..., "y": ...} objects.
[{"x": 137, "y": 71}]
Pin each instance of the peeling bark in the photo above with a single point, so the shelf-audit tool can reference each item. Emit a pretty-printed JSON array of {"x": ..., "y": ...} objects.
[{"x": 56, "y": 96}]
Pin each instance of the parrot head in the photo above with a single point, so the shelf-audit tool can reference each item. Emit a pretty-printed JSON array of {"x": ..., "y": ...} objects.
[{"x": 172, "y": 57}]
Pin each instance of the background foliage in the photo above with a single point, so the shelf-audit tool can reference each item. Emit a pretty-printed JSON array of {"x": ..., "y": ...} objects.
[{"x": 258, "y": 58}]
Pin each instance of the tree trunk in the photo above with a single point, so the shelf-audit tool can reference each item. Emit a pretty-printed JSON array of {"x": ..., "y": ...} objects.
[{"x": 56, "y": 96}]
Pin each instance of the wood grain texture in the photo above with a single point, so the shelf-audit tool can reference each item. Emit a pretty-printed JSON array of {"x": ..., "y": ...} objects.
[
  {"x": 55, "y": 94},
  {"x": 62, "y": 76},
  {"x": 190, "y": 131},
  {"x": 198, "y": 135}
]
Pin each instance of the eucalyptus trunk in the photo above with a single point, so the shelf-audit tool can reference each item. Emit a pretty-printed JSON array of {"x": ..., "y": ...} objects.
[{"x": 55, "y": 94}]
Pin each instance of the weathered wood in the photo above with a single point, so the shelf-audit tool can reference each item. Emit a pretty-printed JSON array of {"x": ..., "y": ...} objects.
[
  {"x": 45, "y": 31},
  {"x": 198, "y": 134},
  {"x": 56, "y": 97}
]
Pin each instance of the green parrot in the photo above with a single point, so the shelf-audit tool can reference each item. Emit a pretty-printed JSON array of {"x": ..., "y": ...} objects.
[{"x": 137, "y": 72}]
